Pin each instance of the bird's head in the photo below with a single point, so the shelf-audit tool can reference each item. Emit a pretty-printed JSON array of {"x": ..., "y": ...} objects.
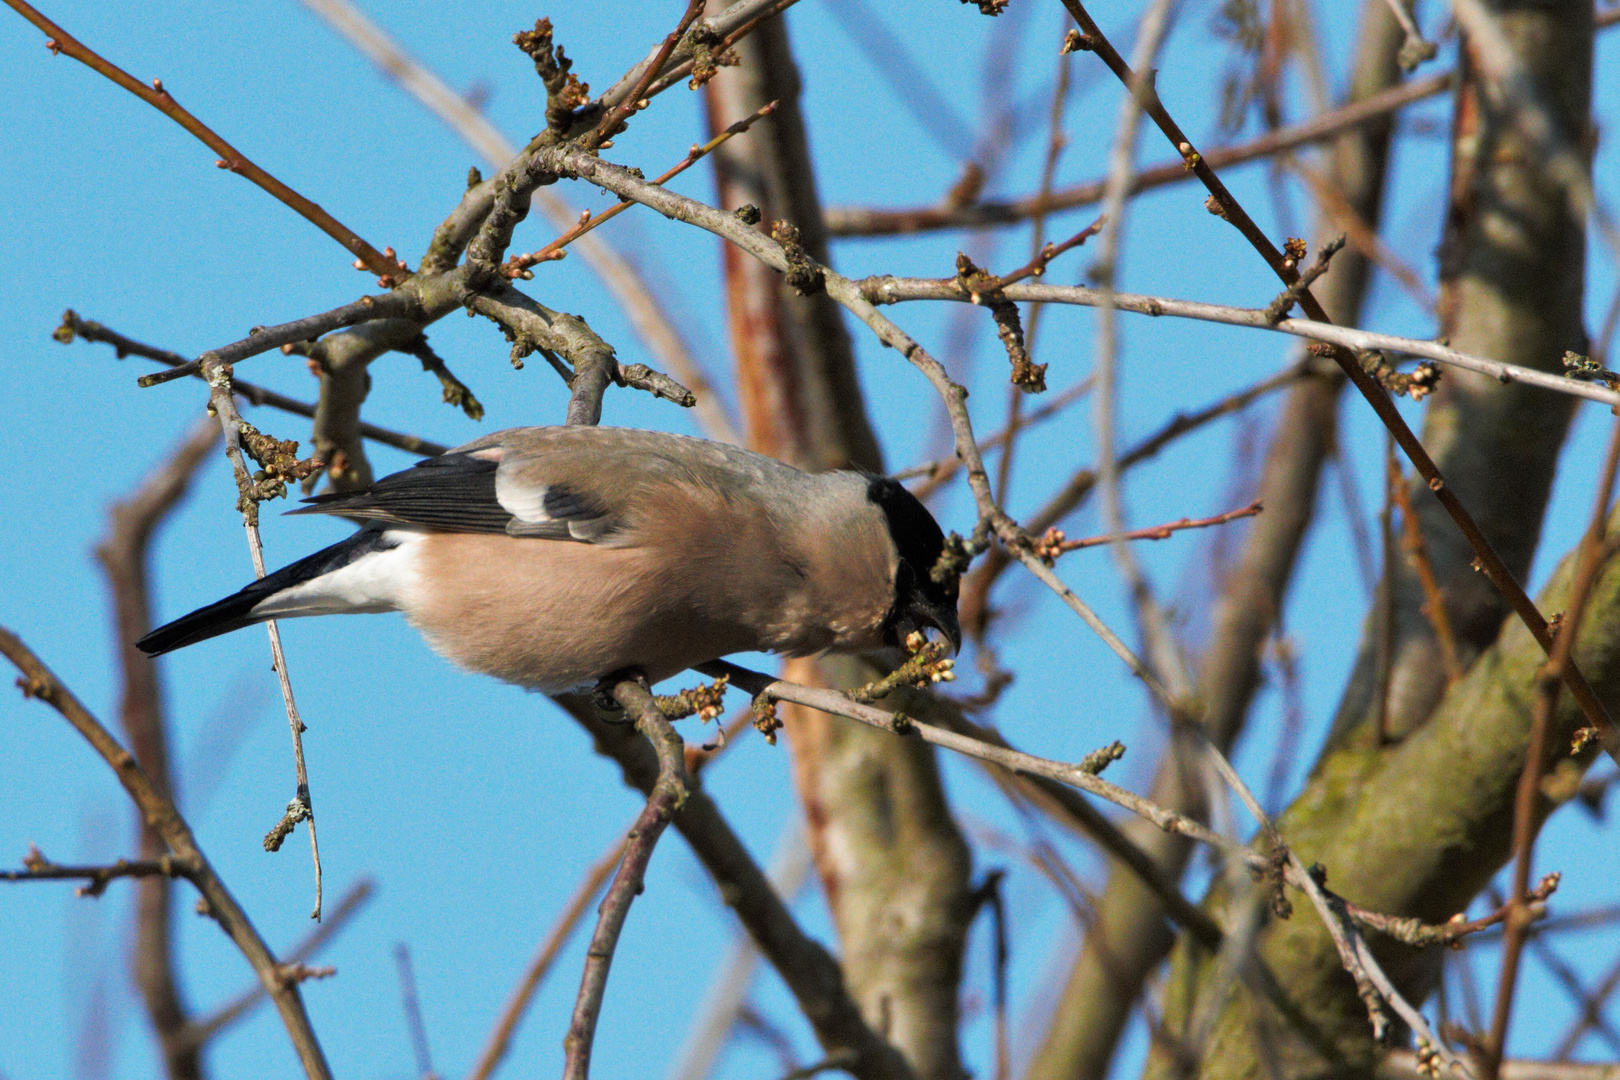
[{"x": 919, "y": 600}]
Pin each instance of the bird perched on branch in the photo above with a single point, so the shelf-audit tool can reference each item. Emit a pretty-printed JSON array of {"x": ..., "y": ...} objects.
[{"x": 552, "y": 557}]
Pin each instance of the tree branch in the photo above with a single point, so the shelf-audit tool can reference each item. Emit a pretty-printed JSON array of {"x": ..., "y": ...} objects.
[
  {"x": 669, "y": 791},
  {"x": 60, "y": 41},
  {"x": 163, "y": 816}
]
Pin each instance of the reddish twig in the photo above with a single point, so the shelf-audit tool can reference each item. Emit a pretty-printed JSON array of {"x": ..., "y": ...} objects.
[
  {"x": 518, "y": 265},
  {"x": 843, "y": 221},
  {"x": 685, "y": 68},
  {"x": 1434, "y": 604},
  {"x": 614, "y": 121},
  {"x": 1053, "y": 544},
  {"x": 976, "y": 587},
  {"x": 1037, "y": 266},
  {"x": 1223, "y": 203},
  {"x": 1413, "y": 932},
  {"x": 60, "y": 41}
]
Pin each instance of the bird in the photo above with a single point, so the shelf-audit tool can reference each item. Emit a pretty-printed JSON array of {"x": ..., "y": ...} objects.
[{"x": 555, "y": 557}]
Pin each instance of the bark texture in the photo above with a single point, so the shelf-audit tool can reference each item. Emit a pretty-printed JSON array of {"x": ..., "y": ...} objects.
[
  {"x": 891, "y": 858},
  {"x": 1396, "y": 840},
  {"x": 1512, "y": 265},
  {"x": 1130, "y": 936}
]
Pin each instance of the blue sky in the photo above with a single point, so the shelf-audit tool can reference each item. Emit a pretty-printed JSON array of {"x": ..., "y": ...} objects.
[{"x": 473, "y": 806}]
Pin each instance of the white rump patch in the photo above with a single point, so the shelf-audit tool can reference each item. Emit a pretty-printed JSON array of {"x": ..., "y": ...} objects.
[
  {"x": 525, "y": 502},
  {"x": 375, "y": 582}
]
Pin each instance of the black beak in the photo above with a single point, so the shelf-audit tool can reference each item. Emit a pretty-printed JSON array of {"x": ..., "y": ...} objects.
[{"x": 944, "y": 620}]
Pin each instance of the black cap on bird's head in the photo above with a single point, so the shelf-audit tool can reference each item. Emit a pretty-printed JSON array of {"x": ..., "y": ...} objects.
[{"x": 919, "y": 600}]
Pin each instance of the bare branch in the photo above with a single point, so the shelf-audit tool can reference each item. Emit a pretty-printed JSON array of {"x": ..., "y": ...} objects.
[
  {"x": 301, "y": 808},
  {"x": 1053, "y": 543},
  {"x": 38, "y": 868},
  {"x": 159, "y": 810},
  {"x": 500, "y": 1039},
  {"x": 1490, "y": 561},
  {"x": 851, "y": 221},
  {"x": 811, "y": 974},
  {"x": 60, "y": 41},
  {"x": 891, "y": 290},
  {"x": 262, "y": 339},
  {"x": 73, "y": 326},
  {"x": 669, "y": 791}
]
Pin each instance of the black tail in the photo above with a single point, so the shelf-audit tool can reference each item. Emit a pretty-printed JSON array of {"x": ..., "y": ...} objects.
[{"x": 235, "y": 612}]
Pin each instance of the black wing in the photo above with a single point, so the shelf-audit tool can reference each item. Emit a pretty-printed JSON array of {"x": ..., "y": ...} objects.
[
  {"x": 451, "y": 493},
  {"x": 457, "y": 492}
]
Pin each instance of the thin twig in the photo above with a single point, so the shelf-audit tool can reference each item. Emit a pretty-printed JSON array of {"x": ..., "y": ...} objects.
[
  {"x": 518, "y": 265},
  {"x": 413, "y": 1012},
  {"x": 891, "y": 290},
  {"x": 1053, "y": 543},
  {"x": 668, "y": 793},
  {"x": 1413, "y": 932},
  {"x": 38, "y": 681},
  {"x": 97, "y": 878},
  {"x": 60, "y": 41},
  {"x": 852, "y": 221},
  {"x": 1489, "y": 560},
  {"x": 73, "y": 326},
  {"x": 500, "y": 1038},
  {"x": 1434, "y": 602},
  {"x": 261, "y": 339},
  {"x": 348, "y": 905},
  {"x": 741, "y": 17},
  {"x": 1550, "y": 680},
  {"x": 302, "y": 807}
]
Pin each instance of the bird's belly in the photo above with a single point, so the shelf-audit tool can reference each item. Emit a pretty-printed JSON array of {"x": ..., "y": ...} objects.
[{"x": 554, "y": 615}]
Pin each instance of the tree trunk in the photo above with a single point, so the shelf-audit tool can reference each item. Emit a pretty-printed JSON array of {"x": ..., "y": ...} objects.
[{"x": 891, "y": 858}]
